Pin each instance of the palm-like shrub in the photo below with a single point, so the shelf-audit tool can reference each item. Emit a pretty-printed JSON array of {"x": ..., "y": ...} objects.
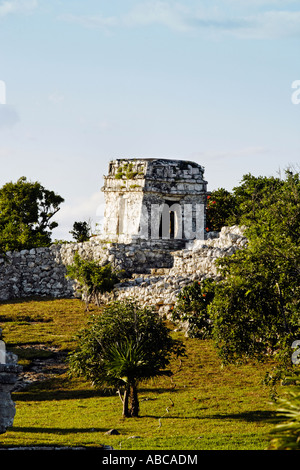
[
  {"x": 286, "y": 434},
  {"x": 123, "y": 346}
]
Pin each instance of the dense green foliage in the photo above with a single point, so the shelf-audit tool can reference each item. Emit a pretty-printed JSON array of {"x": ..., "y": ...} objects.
[
  {"x": 241, "y": 206},
  {"x": 92, "y": 278},
  {"x": 220, "y": 209},
  {"x": 81, "y": 231},
  {"x": 286, "y": 434},
  {"x": 123, "y": 346},
  {"x": 191, "y": 307},
  {"x": 254, "y": 311},
  {"x": 26, "y": 210}
]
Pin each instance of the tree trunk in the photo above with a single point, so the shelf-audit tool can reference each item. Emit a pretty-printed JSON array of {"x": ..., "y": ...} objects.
[
  {"x": 134, "y": 401},
  {"x": 125, "y": 403}
]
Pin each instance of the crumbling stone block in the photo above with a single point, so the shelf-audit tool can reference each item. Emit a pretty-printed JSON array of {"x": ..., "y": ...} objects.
[{"x": 9, "y": 370}]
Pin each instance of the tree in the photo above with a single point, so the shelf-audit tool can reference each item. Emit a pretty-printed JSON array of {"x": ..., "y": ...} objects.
[
  {"x": 26, "y": 210},
  {"x": 93, "y": 278},
  {"x": 81, "y": 231},
  {"x": 255, "y": 311},
  {"x": 191, "y": 308},
  {"x": 251, "y": 195},
  {"x": 220, "y": 209},
  {"x": 240, "y": 206},
  {"x": 122, "y": 347}
]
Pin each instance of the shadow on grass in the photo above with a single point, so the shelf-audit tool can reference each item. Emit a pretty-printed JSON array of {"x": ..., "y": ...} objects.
[
  {"x": 42, "y": 392},
  {"x": 56, "y": 430},
  {"x": 46, "y": 395},
  {"x": 249, "y": 416}
]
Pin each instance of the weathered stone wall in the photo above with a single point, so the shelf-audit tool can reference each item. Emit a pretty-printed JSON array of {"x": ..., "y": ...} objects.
[
  {"x": 197, "y": 262},
  {"x": 42, "y": 271},
  {"x": 155, "y": 274},
  {"x": 199, "y": 257},
  {"x": 33, "y": 272}
]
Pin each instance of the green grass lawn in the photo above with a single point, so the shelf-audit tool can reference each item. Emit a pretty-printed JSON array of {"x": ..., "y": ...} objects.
[{"x": 203, "y": 407}]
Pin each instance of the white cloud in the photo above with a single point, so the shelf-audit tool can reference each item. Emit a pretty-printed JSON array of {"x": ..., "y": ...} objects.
[
  {"x": 2, "y": 92},
  {"x": 266, "y": 25},
  {"x": 17, "y": 6},
  {"x": 92, "y": 21},
  {"x": 174, "y": 16},
  {"x": 161, "y": 12},
  {"x": 220, "y": 18},
  {"x": 256, "y": 3},
  {"x": 274, "y": 24},
  {"x": 270, "y": 24}
]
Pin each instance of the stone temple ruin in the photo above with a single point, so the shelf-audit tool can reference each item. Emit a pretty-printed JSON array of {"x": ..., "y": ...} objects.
[{"x": 154, "y": 199}]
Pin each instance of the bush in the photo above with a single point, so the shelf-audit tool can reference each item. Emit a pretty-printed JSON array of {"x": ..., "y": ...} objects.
[
  {"x": 286, "y": 434},
  {"x": 94, "y": 280},
  {"x": 123, "y": 346},
  {"x": 220, "y": 209},
  {"x": 81, "y": 231},
  {"x": 26, "y": 212},
  {"x": 255, "y": 310},
  {"x": 241, "y": 206},
  {"x": 191, "y": 307}
]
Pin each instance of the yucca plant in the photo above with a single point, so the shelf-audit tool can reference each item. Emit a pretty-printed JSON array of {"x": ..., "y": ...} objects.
[
  {"x": 286, "y": 434},
  {"x": 127, "y": 363},
  {"x": 123, "y": 346}
]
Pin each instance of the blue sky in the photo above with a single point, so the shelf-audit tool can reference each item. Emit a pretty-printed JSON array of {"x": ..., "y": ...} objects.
[{"x": 89, "y": 81}]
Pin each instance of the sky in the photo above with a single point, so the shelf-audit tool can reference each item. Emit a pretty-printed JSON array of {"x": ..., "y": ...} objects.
[{"x": 85, "y": 82}]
